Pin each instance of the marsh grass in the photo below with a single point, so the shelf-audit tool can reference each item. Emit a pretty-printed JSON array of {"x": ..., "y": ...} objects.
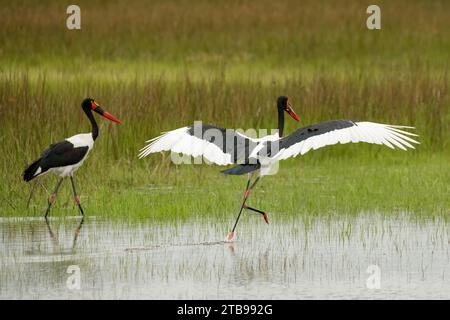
[{"x": 164, "y": 65}]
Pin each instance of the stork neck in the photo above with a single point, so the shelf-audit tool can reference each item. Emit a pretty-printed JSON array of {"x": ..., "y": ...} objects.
[
  {"x": 93, "y": 123},
  {"x": 280, "y": 122}
]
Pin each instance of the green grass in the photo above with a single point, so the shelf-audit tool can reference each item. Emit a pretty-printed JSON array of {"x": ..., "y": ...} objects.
[
  {"x": 163, "y": 65},
  {"x": 336, "y": 184}
]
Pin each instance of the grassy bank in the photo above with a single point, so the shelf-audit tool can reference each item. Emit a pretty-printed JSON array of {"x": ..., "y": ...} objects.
[
  {"x": 164, "y": 65},
  {"x": 335, "y": 184}
]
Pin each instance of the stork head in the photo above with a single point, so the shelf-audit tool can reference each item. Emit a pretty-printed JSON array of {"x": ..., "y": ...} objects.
[
  {"x": 89, "y": 104},
  {"x": 284, "y": 105}
]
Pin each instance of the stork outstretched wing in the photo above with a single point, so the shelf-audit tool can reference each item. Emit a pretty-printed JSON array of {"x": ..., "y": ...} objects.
[
  {"x": 218, "y": 145},
  {"x": 343, "y": 131}
]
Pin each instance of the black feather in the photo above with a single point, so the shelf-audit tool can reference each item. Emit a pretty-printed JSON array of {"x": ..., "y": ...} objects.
[
  {"x": 29, "y": 172},
  {"x": 62, "y": 154},
  {"x": 241, "y": 169},
  {"x": 59, "y": 154}
]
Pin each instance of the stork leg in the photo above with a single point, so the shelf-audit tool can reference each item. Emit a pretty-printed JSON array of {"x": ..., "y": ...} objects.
[
  {"x": 52, "y": 197},
  {"x": 248, "y": 189},
  {"x": 76, "y": 197},
  {"x": 244, "y": 205},
  {"x": 265, "y": 217},
  {"x": 246, "y": 194},
  {"x": 31, "y": 195}
]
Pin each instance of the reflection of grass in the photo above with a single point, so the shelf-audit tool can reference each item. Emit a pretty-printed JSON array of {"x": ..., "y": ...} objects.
[{"x": 163, "y": 66}]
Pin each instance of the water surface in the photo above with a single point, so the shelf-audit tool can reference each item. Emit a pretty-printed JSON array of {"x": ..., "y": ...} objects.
[{"x": 293, "y": 259}]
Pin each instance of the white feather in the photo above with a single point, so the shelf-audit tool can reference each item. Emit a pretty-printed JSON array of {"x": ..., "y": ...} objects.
[
  {"x": 181, "y": 141},
  {"x": 39, "y": 170},
  {"x": 370, "y": 132}
]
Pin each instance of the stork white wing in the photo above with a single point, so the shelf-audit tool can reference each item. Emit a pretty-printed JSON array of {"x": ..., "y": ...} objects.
[
  {"x": 344, "y": 131},
  {"x": 217, "y": 145}
]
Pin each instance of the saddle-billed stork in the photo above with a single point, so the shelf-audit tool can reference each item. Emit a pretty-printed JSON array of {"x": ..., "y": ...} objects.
[
  {"x": 227, "y": 146},
  {"x": 65, "y": 157}
]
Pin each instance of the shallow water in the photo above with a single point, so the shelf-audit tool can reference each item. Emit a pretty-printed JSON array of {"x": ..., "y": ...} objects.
[{"x": 296, "y": 259}]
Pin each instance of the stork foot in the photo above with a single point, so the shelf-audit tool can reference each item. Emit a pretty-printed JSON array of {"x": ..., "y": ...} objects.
[
  {"x": 266, "y": 218},
  {"x": 229, "y": 237},
  {"x": 264, "y": 215}
]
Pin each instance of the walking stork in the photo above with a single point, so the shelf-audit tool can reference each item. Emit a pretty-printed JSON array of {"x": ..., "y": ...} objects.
[
  {"x": 259, "y": 156},
  {"x": 65, "y": 157}
]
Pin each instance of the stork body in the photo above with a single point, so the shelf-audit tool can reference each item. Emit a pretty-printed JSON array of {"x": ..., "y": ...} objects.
[
  {"x": 65, "y": 157},
  {"x": 62, "y": 158},
  {"x": 259, "y": 157}
]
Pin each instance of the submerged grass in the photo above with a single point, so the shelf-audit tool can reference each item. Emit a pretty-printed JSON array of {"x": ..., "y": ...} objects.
[{"x": 164, "y": 65}]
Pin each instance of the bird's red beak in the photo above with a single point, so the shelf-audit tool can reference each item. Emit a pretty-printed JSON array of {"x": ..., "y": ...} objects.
[
  {"x": 109, "y": 116},
  {"x": 292, "y": 113},
  {"x": 105, "y": 114}
]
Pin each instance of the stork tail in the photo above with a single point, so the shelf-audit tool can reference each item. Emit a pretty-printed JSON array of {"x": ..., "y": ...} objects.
[
  {"x": 241, "y": 169},
  {"x": 32, "y": 171}
]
